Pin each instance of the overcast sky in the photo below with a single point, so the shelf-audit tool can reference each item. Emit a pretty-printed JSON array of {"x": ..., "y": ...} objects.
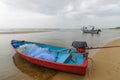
[{"x": 59, "y": 13}]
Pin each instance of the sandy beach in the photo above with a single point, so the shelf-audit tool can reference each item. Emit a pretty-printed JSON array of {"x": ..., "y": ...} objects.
[
  {"x": 107, "y": 63},
  {"x": 106, "y": 66},
  {"x": 22, "y": 31},
  {"x": 103, "y": 65}
]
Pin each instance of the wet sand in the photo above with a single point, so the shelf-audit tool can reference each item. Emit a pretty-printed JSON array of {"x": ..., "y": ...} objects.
[
  {"x": 105, "y": 64},
  {"x": 25, "y": 31}
]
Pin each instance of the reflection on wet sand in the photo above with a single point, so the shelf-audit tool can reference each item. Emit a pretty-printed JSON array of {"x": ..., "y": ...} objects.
[
  {"x": 34, "y": 71},
  {"x": 42, "y": 73}
]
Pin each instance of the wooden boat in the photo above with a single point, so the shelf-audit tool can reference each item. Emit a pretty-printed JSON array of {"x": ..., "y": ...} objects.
[{"x": 68, "y": 60}]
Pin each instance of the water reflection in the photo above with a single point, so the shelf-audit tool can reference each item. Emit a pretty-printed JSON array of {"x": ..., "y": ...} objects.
[{"x": 34, "y": 71}]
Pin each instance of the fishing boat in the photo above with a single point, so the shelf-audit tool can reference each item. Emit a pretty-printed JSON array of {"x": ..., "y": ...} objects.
[
  {"x": 92, "y": 31},
  {"x": 54, "y": 57}
]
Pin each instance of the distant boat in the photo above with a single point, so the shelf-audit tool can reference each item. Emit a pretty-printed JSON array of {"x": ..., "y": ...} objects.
[
  {"x": 64, "y": 59},
  {"x": 92, "y": 31}
]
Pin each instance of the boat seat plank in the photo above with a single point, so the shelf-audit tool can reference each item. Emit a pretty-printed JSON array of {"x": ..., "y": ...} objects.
[
  {"x": 78, "y": 59},
  {"x": 63, "y": 57}
]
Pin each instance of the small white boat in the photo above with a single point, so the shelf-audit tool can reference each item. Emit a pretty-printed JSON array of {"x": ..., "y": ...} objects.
[{"x": 92, "y": 31}]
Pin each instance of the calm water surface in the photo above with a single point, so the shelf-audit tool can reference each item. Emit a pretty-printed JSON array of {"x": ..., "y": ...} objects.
[{"x": 12, "y": 67}]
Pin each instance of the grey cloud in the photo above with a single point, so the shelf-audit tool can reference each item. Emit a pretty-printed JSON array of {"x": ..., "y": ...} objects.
[
  {"x": 94, "y": 7},
  {"x": 41, "y": 6},
  {"x": 99, "y": 8},
  {"x": 68, "y": 12}
]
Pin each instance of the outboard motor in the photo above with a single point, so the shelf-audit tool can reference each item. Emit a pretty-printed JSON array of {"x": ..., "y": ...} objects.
[{"x": 80, "y": 46}]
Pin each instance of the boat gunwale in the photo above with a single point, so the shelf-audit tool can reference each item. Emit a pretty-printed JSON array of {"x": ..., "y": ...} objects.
[{"x": 73, "y": 65}]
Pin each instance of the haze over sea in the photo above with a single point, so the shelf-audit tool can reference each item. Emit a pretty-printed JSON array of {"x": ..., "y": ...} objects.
[{"x": 13, "y": 67}]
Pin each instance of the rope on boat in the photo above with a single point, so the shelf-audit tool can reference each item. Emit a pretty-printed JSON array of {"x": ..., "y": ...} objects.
[{"x": 103, "y": 47}]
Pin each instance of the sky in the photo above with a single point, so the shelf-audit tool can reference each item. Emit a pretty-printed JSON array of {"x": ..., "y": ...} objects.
[{"x": 59, "y": 13}]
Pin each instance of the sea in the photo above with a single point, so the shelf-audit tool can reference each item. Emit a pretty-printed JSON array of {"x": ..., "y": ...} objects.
[{"x": 12, "y": 67}]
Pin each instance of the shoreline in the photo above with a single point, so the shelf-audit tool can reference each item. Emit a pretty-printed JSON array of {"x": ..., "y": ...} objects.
[
  {"x": 22, "y": 32},
  {"x": 102, "y": 45},
  {"x": 107, "y": 62}
]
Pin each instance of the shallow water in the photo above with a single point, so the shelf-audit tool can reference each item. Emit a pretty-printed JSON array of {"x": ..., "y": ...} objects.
[{"x": 12, "y": 67}]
